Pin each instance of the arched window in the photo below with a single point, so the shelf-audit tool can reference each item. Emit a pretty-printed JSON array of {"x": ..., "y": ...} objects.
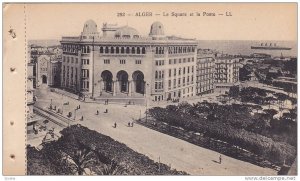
[
  {"x": 122, "y": 49},
  {"x": 112, "y": 50},
  {"x": 138, "y": 51},
  {"x": 143, "y": 50},
  {"x": 88, "y": 49},
  {"x": 156, "y": 50},
  {"x": 106, "y": 50},
  {"x": 133, "y": 50},
  {"x": 117, "y": 50},
  {"x": 127, "y": 50}
]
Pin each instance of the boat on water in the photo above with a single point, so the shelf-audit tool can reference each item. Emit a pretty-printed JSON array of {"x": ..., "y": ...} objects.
[{"x": 266, "y": 46}]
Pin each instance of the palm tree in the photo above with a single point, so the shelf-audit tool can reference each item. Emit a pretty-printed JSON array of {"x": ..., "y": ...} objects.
[
  {"x": 82, "y": 158},
  {"x": 111, "y": 169}
]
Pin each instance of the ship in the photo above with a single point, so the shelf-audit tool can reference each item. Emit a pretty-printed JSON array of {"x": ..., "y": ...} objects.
[{"x": 266, "y": 46}]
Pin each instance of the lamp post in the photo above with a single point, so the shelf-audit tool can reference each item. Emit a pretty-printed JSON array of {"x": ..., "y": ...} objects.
[
  {"x": 62, "y": 104},
  {"x": 146, "y": 102},
  {"x": 93, "y": 68}
]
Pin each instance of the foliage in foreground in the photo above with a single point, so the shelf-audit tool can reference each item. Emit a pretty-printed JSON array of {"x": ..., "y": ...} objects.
[
  {"x": 82, "y": 151},
  {"x": 235, "y": 125}
]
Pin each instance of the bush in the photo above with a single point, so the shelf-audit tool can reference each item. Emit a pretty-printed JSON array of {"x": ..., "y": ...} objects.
[{"x": 233, "y": 124}]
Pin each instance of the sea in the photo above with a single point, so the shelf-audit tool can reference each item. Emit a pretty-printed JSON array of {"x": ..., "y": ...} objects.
[
  {"x": 242, "y": 47},
  {"x": 232, "y": 47}
]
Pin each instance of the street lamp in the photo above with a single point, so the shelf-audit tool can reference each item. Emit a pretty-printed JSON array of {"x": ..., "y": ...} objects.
[{"x": 146, "y": 102}]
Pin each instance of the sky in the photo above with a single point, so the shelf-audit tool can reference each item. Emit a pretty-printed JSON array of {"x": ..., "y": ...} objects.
[{"x": 249, "y": 21}]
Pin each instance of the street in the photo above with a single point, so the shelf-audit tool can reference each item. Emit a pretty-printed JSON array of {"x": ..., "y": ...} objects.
[{"x": 177, "y": 153}]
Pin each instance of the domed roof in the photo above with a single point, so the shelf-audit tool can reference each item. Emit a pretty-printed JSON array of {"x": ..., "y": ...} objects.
[
  {"x": 157, "y": 29},
  {"x": 126, "y": 32},
  {"x": 89, "y": 27}
]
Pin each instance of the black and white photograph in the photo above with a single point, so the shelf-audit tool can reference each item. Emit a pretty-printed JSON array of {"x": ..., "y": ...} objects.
[{"x": 201, "y": 89}]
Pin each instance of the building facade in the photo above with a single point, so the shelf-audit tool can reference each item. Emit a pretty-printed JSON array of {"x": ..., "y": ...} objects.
[
  {"x": 42, "y": 69},
  {"x": 122, "y": 63},
  {"x": 54, "y": 73},
  {"x": 30, "y": 91},
  {"x": 205, "y": 71},
  {"x": 226, "y": 73}
]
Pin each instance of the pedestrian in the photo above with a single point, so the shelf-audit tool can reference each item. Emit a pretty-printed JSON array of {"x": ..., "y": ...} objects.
[
  {"x": 128, "y": 124},
  {"x": 107, "y": 101},
  {"x": 81, "y": 118},
  {"x": 220, "y": 159},
  {"x": 115, "y": 125},
  {"x": 79, "y": 106},
  {"x": 97, "y": 112},
  {"x": 132, "y": 124}
]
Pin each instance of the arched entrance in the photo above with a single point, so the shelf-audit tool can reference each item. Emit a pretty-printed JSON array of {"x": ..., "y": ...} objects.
[
  {"x": 107, "y": 80},
  {"x": 138, "y": 78},
  {"x": 122, "y": 78},
  {"x": 44, "y": 79}
]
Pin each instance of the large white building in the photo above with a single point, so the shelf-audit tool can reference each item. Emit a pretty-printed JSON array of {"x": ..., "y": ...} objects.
[{"x": 119, "y": 62}]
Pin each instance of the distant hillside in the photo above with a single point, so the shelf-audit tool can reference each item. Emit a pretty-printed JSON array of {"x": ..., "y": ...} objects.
[{"x": 44, "y": 42}]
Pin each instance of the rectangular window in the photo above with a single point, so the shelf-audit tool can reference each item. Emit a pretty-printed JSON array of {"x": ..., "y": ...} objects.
[
  {"x": 106, "y": 61},
  {"x": 174, "y": 82},
  {"x": 174, "y": 72},
  {"x": 138, "y": 61},
  {"x": 122, "y": 61},
  {"x": 170, "y": 61},
  {"x": 170, "y": 72},
  {"x": 175, "y": 60},
  {"x": 180, "y": 60},
  {"x": 156, "y": 63},
  {"x": 188, "y": 69},
  {"x": 169, "y": 85}
]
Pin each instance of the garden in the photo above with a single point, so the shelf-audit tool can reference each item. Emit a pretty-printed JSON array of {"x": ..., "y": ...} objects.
[
  {"x": 235, "y": 130},
  {"x": 80, "y": 151}
]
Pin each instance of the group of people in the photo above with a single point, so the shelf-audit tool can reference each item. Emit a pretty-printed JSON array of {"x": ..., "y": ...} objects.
[
  {"x": 106, "y": 102},
  {"x": 130, "y": 124}
]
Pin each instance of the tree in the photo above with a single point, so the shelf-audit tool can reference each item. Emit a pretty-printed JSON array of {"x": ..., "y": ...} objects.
[
  {"x": 82, "y": 158},
  {"x": 234, "y": 91},
  {"x": 244, "y": 74},
  {"x": 110, "y": 169}
]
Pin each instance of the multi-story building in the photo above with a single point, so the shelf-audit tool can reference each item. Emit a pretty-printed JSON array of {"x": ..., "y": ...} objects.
[
  {"x": 54, "y": 73},
  {"x": 30, "y": 94},
  {"x": 42, "y": 69},
  {"x": 226, "y": 73},
  {"x": 121, "y": 62},
  {"x": 205, "y": 71}
]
